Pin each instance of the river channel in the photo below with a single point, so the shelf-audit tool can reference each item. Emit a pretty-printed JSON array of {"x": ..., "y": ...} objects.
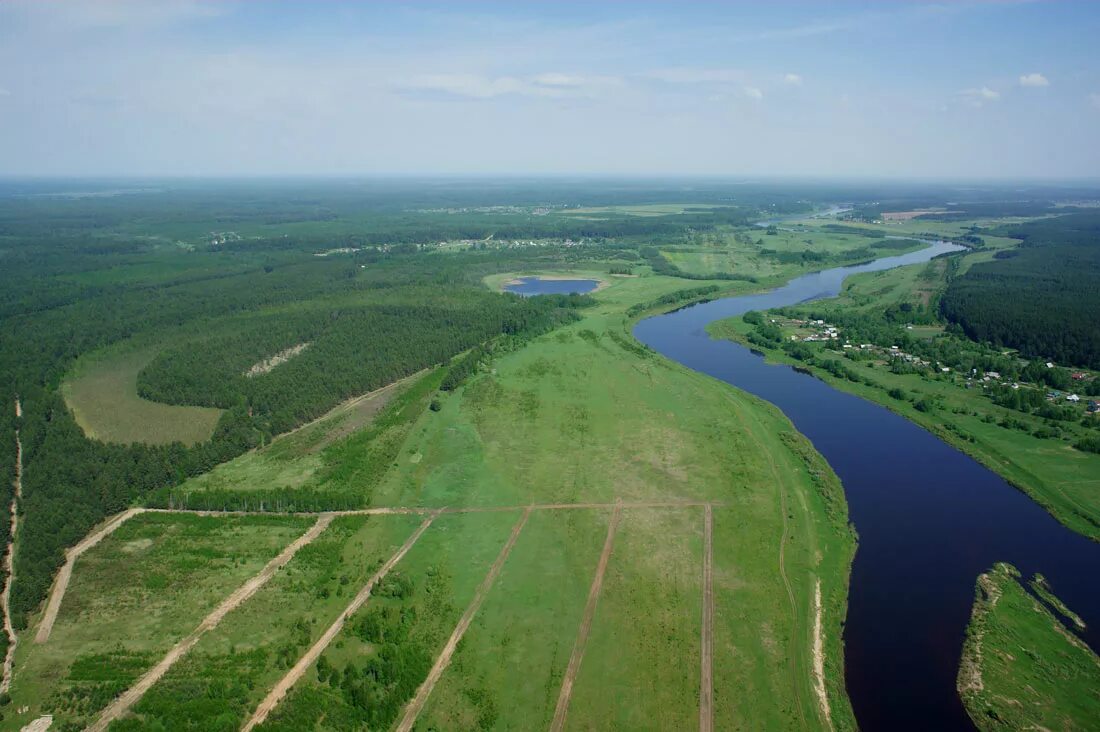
[{"x": 930, "y": 518}]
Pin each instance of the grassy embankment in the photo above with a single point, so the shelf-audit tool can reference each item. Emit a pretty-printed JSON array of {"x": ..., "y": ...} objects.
[
  {"x": 1064, "y": 480},
  {"x": 1022, "y": 666},
  {"x": 584, "y": 414}
]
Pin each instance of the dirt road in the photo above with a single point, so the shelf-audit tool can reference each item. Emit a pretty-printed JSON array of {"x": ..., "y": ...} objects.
[
  {"x": 586, "y": 625},
  {"x": 310, "y": 657},
  {"x": 131, "y": 696},
  {"x": 706, "y": 685},
  {"x": 412, "y": 711},
  {"x": 9, "y": 560},
  {"x": 61, "y": 582}
]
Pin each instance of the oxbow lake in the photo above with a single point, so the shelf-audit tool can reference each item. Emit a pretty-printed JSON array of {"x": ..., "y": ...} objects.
[
  {"x": 528, "y": 286},
  {"x": 930, "y": 518}
]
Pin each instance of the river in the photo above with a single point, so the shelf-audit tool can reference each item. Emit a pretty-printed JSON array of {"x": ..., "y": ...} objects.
[{"x": 929, "y": 518}]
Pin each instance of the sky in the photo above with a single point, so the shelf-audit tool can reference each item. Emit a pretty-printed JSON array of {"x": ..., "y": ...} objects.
[{"x": 981, "y": 89}]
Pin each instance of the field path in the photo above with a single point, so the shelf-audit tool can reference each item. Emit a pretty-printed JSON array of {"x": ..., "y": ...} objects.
[
  {"x": 61, "y": 582},
  {"x": 706, "y": 678},
  {"x": 310, "y": 657},
  {"x": 574, "y": 666},
  {"x": 131, "y": 696},
  {"x": 412, "y": 711},
  {"x": 9, "y": 558}
]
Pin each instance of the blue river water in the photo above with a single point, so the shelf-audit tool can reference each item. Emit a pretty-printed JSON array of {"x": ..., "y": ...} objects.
[
  {"x": 528, "y": 286},
  {"x": 930, "y": 518}
]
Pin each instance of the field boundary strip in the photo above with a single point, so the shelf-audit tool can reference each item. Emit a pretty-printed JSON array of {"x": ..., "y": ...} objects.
[
  {"x": 562, "y": 708},
  {"x": 706, "y": 677},
  {"x": 61, "y": 582},
  {"x": 9, "y": 559},
  {"x": 132, "y": 695},
  {"x": 412, "y": 711},
  {"x": 310, "y": 657}
]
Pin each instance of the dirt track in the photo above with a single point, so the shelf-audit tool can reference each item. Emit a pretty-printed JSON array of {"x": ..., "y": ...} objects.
[
  {"x": 61, "y": 582},
  {"x": 310, "y": 657},
  {"x": 131, "y": 696},
  {"x": 706, "y": 679},
  {"x": 412, "y": 711},
  {"x": 586, "y": 625},
  {"x": 9, "y": 559}
]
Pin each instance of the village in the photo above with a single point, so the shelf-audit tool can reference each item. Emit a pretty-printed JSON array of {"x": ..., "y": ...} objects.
[{"x": 832, "y": 338}]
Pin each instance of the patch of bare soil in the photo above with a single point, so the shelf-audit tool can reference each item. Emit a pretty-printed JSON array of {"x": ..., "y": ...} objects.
[
  {"x": 271, "y": 362},
  {"x": 586, "y": 625},
  {"x": 819, "y": 659},
  {"x": 412, "y": 711},
  {"x": 132, "y": 695}
]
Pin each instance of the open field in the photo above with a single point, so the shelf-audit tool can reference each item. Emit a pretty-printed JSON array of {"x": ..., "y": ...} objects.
[
  {"x": 295, "y": 463},
  {"x": 582, "y": 423},
  {"x": 102, "y": 393},
  {"x": 780, "y": 253},
  {"x": 1022, "y": 666},
  {"x": 1031, "y": 452},
  {"x": 131, "y": 598}
]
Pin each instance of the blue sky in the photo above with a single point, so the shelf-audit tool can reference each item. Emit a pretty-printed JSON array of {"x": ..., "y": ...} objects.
[{"x": 182, "y": 87}]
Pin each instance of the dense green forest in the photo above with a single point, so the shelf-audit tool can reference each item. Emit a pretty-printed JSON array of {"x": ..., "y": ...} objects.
[{"x": 1042, "y": 298}]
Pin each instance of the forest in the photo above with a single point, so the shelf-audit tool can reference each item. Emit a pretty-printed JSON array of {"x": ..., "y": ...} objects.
[{"x": 1042, "y": 298}]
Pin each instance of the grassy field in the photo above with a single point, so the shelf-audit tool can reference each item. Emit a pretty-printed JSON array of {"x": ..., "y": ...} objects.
[
  {"x": 1064, "y": 480},
  {"x": 102, "y": 394},
  {"x": 1022, "y": 667},
  {"x": 297, "y": 471},
  {"x": 743, "y": 252},
  {"x": 522, "y": 638},
  {"x": 231, "y": 669},
  {"x": 133, "y": 596},
  {"x": 391, "y": 642},
  {"x": 581, "y": 415}
]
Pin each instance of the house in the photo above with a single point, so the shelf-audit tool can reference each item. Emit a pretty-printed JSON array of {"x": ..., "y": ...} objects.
[
  {"x": 1078, "y": 376},
  {"x": 1073, "y": 398},
  {"x": 1050, "y": 364},
  {"x": 1094, "y": 406},
  {"x": 993, "y": 374}
]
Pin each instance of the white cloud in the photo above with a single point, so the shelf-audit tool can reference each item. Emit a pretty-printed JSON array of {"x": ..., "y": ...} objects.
[
  {"x": 978, "y": 97},
  {"x": 794, "y": 79},
  {"x": 753, "y": 93},
  {"x": 688, "y": 75},
  {"x": 479, "y": 86},
  {"x": 1034, "y": 79}
]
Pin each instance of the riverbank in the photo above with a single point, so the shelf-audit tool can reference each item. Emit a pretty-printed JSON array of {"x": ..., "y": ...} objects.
[
  {"x": 1025, "y": 450},
  {"x": 930, "y": 519}
]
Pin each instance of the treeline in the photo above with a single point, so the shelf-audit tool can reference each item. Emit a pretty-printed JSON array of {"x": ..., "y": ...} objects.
[
  {"x": 352, "y": 351},
  {"x": 1045, "y": 300},
  {"x": 672, "y": 298}
]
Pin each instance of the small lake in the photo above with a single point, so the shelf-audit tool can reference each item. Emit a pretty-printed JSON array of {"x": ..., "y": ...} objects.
[
  {"x": 528, "y": 286},
  {"x": 930, "y": 519}
]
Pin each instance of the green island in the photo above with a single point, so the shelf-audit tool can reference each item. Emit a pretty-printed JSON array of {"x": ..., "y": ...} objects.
[{"x": 1023, "y": 667}]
